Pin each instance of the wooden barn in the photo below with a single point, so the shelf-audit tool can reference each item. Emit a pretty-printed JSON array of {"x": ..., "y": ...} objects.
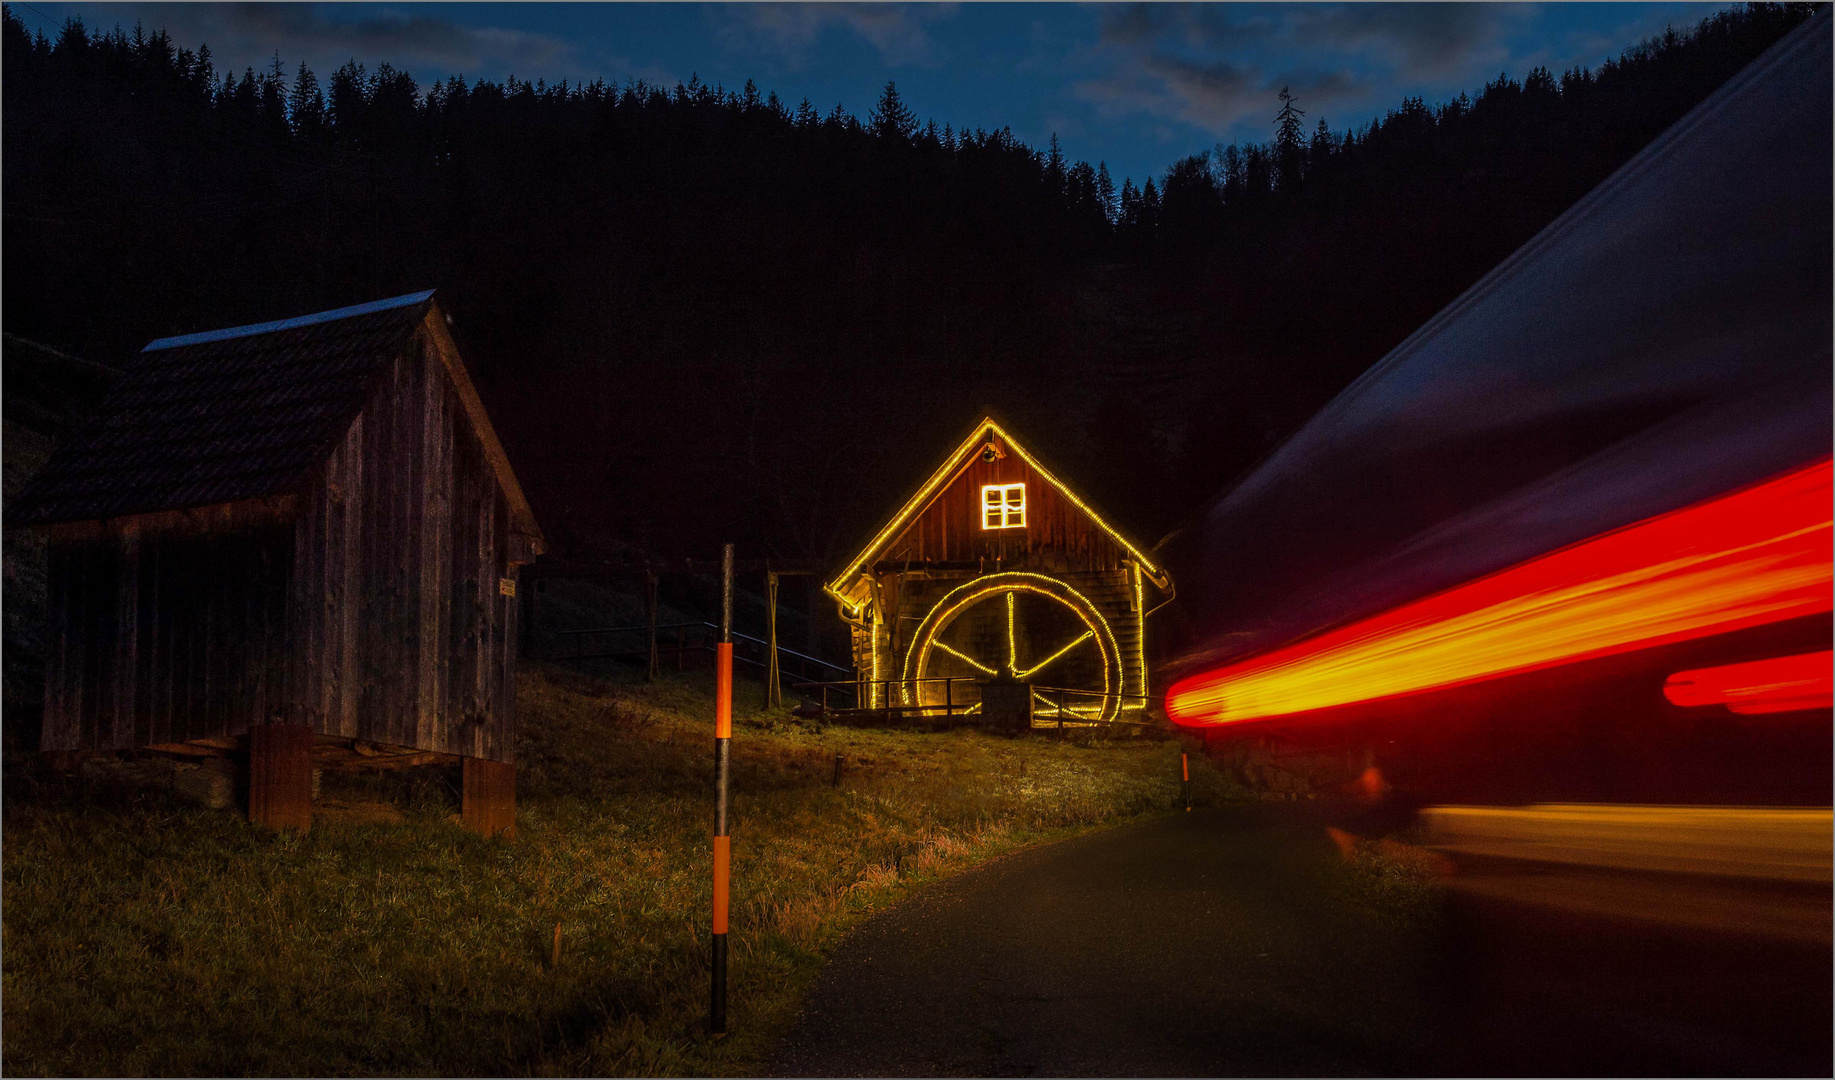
[
  {"x": 298, "y": 541},
  {"x": 994, "y": 573}
]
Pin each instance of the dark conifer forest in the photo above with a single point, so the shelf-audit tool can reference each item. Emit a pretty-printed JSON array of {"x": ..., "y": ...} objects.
[{"x": 701, "y": 314}]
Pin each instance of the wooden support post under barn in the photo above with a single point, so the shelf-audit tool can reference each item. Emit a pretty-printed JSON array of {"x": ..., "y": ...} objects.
[
  {"x": 489, "y": 797},
  {"x": 299, "y": 530},
  {"x": 655, "y": 667},
  {"x": 280, "y": 776},
  {"x": 774, "y": 693}
]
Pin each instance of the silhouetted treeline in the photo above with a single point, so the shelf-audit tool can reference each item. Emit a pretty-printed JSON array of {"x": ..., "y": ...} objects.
[{"x": 702, "y": 314}]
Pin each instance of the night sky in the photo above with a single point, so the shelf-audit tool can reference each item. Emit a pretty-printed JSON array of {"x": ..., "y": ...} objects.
[{"x": 1135, "y": 86}]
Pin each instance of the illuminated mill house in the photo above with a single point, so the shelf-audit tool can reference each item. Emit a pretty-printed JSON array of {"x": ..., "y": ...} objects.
[{"x": 994, "y": 571}]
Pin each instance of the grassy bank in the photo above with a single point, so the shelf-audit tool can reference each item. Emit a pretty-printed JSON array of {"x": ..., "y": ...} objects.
[{"x": 143, "y": 936}]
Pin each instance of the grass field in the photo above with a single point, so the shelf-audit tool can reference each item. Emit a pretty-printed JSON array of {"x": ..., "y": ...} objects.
[{"x": 145, "y": 936}]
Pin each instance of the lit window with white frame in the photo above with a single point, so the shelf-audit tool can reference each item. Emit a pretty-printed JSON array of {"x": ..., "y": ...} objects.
[{"x": 1003, "y": 506}]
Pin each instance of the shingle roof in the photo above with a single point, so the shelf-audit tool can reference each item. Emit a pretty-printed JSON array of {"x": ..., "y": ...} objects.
[{"x": 222, "y": 416}]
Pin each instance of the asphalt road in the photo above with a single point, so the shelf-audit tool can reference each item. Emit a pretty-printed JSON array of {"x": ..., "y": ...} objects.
[
  {"x": 1229, "y": 943},
  {"x": 1205, "y": 944}
]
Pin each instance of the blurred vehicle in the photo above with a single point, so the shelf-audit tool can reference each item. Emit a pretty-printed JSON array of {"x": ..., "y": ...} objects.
[
  {"x": 1548, "y": 590},
  {"x": 1606, "y": 464}
]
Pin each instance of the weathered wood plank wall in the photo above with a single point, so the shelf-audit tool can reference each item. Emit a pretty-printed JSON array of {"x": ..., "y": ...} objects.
[
  {"x": 404, "y": 637},
  {"x": 167, "y": 627}
]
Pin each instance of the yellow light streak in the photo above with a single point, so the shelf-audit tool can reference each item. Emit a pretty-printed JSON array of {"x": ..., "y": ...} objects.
[
  {"x": 1713, "y": 868},
  {"x": 1034, "y": 669},
  {"x": 1788, "y": 844},
  {"x": 1511, "y": 635},
  {"x": 1751, "y": 557}
]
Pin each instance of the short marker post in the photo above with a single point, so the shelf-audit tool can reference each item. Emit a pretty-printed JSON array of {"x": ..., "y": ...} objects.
[
  {"x": 723, "y": 736},
  {"x": 1185, "y": 778}
]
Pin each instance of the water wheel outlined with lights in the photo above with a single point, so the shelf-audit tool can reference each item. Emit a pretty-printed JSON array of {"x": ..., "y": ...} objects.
[
  {"x": 1021, "y": 626},
  {"x": 994, "y": 571}
]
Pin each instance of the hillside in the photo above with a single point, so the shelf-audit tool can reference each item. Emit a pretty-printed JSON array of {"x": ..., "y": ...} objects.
[{"x": 702, "y": 314}]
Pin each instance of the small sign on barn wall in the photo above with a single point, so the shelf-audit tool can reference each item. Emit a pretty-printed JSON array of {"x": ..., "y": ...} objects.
[{"x": 506, "y": 586}]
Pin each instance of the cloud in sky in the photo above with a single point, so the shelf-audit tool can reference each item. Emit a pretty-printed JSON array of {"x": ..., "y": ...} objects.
[
  {"x": 793, "y": 31},
  {"x": 1214, "y": 67},
  {"x": 1136, "y": 86},
  {"x": 1427, "y": 40},
  {"x": 243, "y": 35}
]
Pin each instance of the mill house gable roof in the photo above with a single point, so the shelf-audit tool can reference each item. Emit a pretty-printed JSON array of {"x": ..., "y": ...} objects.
[
  {"x": 947, "y": 472},
  {"x": 243, "y": 413}
]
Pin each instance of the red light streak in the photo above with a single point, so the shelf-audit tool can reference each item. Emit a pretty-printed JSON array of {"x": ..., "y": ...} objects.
[
  {"x": 1781, "y": 684},
  {"x": 1754, "y": 556}
]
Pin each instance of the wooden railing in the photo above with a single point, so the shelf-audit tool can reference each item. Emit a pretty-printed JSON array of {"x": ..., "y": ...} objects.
[
  {"x": 875, "y": 696},
  {"x": 866, "y": 692}
]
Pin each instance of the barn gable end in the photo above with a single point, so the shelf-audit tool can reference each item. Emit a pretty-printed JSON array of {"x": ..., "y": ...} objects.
[
  {"x": 408, "y": 532},
  {"x": 309, "y": 523}
]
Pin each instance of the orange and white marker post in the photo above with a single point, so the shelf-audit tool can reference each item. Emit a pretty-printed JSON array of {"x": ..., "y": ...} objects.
[
  {"x": 723, "y": 737},
  {"x": 1185, "y": 778}
]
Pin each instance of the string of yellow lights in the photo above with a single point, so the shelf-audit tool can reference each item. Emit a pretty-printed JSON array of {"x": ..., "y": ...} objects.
[
  {"x": 1085, "y": 711},
  {"x": 1012, "y": 633},
  {"x": 1041, "y": 665},
  {"x": 873, "y": 637},
  {"x": 1011, "y": 583},
  {"x": 966, "y": 658},
  {"x": 1140, "y": 615},
  {"x": 1003, "y": 504},
  {"x": 1072, "y": 496},
  {"x": 950, "y": 469}
]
